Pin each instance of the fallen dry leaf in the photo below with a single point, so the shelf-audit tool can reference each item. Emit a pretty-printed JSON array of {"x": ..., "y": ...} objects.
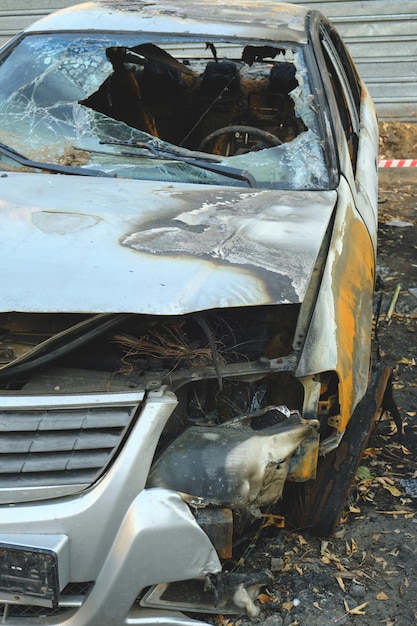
[
  {"x": 264, "y": 598},
  {"x": 371, "y": 452},
  {"x": 327, "y": 556},
  {"x": 323, "y": 546},
  {"x": 302, "y": 541},
  {"x": 340, "y": 532},
  {"x": 379, "y": 560},
  {"x": 382, "y": 596},
  {"x": 394, "y": 512},
  {"x": 384, "y": 480},
  {"x": 357, "y": 610},
  {"x": 399, "y": 446},
  {"x": 351, "y": 548},
  {"x": 405, "y": 450},
  {"x": 223, "y": 621},
  {"x": 394, "y": 491},
  {"x": 405, "y": 361},
  {"x": 340, "y": 567},
  {"x": 273, "y": 520},
  {"x": 394, "y": 552},
  {"x": 349, "y": 574}
]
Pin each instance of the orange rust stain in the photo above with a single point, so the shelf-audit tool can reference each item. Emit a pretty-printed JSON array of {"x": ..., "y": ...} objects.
[
  {"x": 354, "y": 276},
  {"x": 306, "y": 467},
  {"x": 303, "y": 465}
]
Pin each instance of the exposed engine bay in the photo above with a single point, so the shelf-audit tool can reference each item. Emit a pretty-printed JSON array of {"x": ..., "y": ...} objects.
[
  {"x": 230, "y": 385},
  {"x": 235, "y": 437}
]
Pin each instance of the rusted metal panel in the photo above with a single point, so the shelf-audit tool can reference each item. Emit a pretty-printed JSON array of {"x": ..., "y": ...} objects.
[
  {"x": 343, "y": 293},
  {"x": 382, "y": 38},
  {"x": 16, "y": 16}
]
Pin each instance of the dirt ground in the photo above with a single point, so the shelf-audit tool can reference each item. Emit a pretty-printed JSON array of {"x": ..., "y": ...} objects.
[
  {"x": 365, "y": 574},
  {"x": 397, "y": 140}
]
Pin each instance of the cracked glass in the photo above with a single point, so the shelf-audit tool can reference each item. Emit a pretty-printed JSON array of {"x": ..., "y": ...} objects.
[{"x": 57, "y": 106}]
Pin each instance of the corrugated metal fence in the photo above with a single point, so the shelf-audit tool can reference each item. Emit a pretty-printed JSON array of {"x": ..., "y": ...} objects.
[
  {"x": 15, "y": 15},
  {"x": 382, "y": 38},
  {"x": 380, "y": 34}
]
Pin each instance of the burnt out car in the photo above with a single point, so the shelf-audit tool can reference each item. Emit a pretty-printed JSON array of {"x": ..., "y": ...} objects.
[{"x": 188, "y": 207}]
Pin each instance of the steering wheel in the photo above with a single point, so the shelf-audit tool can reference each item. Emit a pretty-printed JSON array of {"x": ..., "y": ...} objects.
[{"x": 237, "y": 139}]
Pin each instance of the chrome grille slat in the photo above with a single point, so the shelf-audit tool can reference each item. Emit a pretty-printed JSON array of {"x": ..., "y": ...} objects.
[
  {"x": 60, "y": 440},
  {"x": 78, "y": 480},
  {"x": 39, "y": 420},
  {"x": 18, "y": 444},
  {"x": 52, "y": 462}
]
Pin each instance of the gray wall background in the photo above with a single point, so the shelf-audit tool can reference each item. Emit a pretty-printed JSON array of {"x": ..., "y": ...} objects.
[{"x": 380, "y": 34}]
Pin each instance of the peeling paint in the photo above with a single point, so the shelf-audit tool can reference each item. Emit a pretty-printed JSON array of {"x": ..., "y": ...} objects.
[
  {"x": 253, "y": 248},
  {"x": 62, "y": 223}
]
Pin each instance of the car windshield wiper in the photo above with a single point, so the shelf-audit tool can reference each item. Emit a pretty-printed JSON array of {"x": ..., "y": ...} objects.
[
  {"x": 55, "y": 168},
  {"x": 198, "y": 159}
]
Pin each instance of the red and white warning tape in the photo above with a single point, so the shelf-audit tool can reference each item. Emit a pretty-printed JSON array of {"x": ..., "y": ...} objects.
[{"x": 397, "y": 163}]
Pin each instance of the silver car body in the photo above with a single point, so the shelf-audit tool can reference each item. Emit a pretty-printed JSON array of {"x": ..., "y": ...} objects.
[{"x": 88, "y": 489}]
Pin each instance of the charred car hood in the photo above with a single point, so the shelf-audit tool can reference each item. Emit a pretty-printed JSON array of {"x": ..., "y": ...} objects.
[{"x": 91, "y": 245}]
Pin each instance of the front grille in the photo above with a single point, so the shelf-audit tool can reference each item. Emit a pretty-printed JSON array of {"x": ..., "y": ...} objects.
[{"x": 54, "y": 445}]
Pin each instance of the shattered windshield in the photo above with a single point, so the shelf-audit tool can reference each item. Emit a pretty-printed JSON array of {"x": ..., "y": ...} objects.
[{"x": 190, "y": 111}]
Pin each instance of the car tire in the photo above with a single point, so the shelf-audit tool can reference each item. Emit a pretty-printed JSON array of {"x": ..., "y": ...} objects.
[{"x": 317, "y": 505}]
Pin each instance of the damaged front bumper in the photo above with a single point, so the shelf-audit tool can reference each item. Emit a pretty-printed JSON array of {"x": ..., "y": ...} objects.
[
  {"x": 132, "y": 561},
  {"x": 124, "y": 539}
]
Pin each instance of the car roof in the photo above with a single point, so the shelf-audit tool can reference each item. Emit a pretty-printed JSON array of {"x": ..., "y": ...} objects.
[{"x": 265, "y": 19}]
